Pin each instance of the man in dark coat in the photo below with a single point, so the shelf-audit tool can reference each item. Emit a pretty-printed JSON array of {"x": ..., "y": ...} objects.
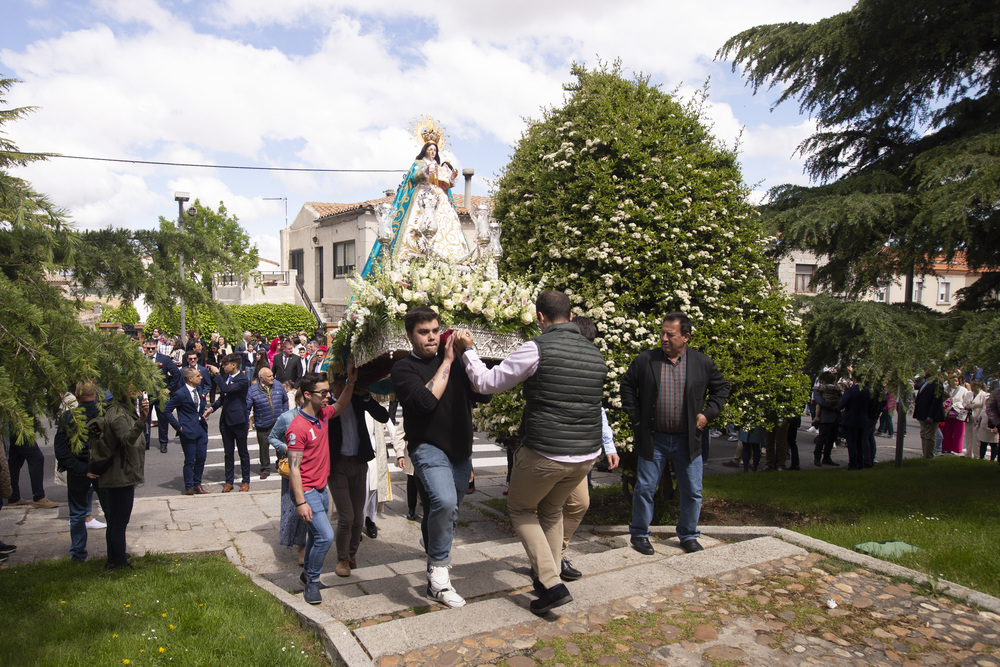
[
  {"x": 928, "y": 409},
  {"x": 235, "y": 419},
  {"x": 172, "y": 377},
  {"x": 287, "y": 366},
  {"x": 670, "y": 395},
  {"x": 350, "y": 451}
]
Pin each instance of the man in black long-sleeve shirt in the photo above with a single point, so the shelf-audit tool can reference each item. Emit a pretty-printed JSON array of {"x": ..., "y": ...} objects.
[{"x": 437, "y": 417}]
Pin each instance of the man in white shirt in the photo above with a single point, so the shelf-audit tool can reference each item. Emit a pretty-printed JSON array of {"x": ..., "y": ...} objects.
[{"x": 563, "y": 375}]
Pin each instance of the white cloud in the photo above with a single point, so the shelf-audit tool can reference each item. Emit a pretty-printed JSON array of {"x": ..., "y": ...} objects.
[{"x": 156, "y": 80}]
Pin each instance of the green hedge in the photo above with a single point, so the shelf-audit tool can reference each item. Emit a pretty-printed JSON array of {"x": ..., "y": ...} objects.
[
  {"x": 124, "y": 314},
  {"x": 270, "y": 319}
]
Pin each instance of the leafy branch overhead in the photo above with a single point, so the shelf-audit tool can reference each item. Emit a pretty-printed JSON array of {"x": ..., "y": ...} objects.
[
  {"x": 906, "y": 97},
  {"x": 44, "y": 349}
]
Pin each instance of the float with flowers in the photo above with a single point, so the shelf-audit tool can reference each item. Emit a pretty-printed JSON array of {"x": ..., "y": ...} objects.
[{"x": 423, "y": 258}]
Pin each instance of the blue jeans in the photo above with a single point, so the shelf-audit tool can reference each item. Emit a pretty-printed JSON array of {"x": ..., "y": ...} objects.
[
  {"x": 675, "y": 448},
  {"x": 79, "y": 490},
  {"x": 445, "y": 483},
  {"x": 319, "y": 536}
]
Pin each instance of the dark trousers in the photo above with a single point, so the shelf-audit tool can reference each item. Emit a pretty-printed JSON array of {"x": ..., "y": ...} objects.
[
  {"x": 993, "y": 450},
  {"x": 347, "y": 486},
  {"x": 748, "y": 449},
  {"x": 265, "y": 449},
  {"x": 195, "y": 453},
  {"x": 235, "y": 437},
  {"x": 32, "y": 455},
  {"x": 793, "y": 440},
  {"x": 852, "y": 436},
  {"x": 824, "y": 440},
  {"x": 162, "y": 426},
  {"x": 868, "y": 446},
  {"x": 117, "y": 504}
]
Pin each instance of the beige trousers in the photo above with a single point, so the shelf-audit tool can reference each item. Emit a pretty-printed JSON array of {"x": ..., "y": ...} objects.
[{"x": 539, "y": 488}]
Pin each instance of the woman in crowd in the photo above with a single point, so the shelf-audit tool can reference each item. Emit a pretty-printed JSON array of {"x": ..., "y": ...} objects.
[
  {"x": 982, "y": 433},
  {"x": 224, "y": 347},
  {"x": 953, "y": 431},
  {"x": 178, "y": 353},
  {"x": 293, "y": 529}
]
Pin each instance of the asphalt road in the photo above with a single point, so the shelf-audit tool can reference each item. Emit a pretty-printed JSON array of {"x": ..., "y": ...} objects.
[{"x": 164, "y": 471}]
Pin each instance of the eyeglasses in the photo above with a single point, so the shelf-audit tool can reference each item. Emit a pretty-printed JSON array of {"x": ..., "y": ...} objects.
[{"x": 324, "y": 393}]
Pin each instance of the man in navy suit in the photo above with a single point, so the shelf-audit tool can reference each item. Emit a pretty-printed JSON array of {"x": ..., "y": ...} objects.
[
  {"x": 189, "y": 402},
  {"x": 248, "y": 355},
  {"x": 235, "y": 419},
  {"x": 191, "y": 359},
  {"x": 172, "y": 376}
]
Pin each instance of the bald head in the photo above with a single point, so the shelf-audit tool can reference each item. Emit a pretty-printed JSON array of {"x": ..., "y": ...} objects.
[{"x": 266, "y": 376}]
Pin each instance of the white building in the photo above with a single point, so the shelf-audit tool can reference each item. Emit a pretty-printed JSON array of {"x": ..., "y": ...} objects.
[
  {"x": 328, "y": 243},
  {"x": 936, "y": 290}
]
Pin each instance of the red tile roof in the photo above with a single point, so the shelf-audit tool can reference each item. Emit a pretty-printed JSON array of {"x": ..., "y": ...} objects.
[{"x": 326, "y": 210}]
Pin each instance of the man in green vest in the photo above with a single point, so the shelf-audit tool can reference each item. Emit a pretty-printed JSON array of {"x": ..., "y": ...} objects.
[{"x": 563, "y": 375}]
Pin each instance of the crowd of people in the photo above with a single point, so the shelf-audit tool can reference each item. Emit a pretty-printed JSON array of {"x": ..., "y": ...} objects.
[{"x": 326, "y": 432}]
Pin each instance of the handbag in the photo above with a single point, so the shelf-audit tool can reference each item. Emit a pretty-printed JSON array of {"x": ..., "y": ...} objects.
[{"x": 282, "y": 466}]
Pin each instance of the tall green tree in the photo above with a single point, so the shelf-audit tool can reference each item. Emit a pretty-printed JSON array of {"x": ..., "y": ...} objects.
[
  {"x": 622, "y": 198},
  {"x": 44, "y": 349},
  {"x": 906, "y": 156}
]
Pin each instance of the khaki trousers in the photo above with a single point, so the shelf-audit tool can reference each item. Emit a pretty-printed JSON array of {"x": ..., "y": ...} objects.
[
  {"x": 539, "y": 488},
  {"x": 928, "y": 431},
  {"x": 573, "y": 512}
]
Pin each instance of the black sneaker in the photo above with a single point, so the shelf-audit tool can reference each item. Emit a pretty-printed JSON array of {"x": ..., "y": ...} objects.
[
  {"x": 642, "y": 545},
  {"x": 411, "y": 516},
  {"x": 7, "y": 548},
  {"x": 569, "y": 573},
  {"x": 691, "y": 546},
  {"x": 3, "y": 558},
  {"x": 553, "y": 597},
  {"x": 830, "y": 462},
  {"x": 371, "y": 530}
]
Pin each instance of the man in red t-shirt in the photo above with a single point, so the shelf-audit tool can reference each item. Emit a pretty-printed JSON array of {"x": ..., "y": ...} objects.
[{"x": 309, "y": 469}]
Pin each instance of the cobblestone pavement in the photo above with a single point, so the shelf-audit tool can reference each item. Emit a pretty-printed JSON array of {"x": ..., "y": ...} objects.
[{"x": 795, "y": 611}]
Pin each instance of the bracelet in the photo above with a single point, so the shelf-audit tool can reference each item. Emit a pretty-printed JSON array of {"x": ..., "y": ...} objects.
[{"x": 301, "y": 504}]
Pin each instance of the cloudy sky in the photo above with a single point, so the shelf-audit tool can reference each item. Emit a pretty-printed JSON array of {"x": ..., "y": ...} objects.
[{"x": 326, "y": 84}]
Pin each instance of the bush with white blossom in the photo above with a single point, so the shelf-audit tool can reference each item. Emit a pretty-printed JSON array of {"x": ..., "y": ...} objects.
[{"x": 624, "y": 200}]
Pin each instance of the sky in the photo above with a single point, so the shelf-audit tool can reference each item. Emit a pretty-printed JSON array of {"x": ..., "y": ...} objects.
[{"x": 326, "y": 84}]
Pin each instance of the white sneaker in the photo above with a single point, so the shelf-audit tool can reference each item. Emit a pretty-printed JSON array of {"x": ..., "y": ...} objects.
[
  {"x": 94, "y": 524},
  {"x": 812, "y": 429},
  {"x": 439, "y": 587}
]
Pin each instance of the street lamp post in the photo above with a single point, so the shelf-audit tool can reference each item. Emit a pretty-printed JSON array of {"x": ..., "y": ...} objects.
[{"x": 180, "y": 198}]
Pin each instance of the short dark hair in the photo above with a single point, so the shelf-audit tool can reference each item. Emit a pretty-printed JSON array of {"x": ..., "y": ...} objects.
[
  {"x": 586, "y": 326},
  {"x": 682, "y": 318},
  {"x": 232, "y": 359},
  {"x": 310, "y": 380},
  {"x": 553, "y": 305},
  {"x": 419, "y": 315}
]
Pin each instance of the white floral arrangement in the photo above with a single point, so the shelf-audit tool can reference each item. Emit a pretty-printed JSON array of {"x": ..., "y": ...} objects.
[{"x": 457, "y": 293}]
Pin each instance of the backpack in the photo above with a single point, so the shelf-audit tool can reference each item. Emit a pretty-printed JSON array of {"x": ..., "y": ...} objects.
[{"x": 101, "y": 454}]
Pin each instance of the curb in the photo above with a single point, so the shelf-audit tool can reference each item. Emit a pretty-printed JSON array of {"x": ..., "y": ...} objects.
[{"x": 339, "y": 645}]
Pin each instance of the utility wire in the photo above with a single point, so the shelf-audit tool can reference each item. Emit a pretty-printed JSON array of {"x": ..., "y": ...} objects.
[{"x": 202, "y": 166}]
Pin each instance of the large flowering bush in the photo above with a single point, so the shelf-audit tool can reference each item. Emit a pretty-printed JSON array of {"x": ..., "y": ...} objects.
[
  {"x": 626, "y": 202},
  {"x": 458, "y": 294}
]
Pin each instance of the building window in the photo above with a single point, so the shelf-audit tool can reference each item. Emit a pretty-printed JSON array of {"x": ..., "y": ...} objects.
[
  {"x": 944, "y": 291},
  {"x": 804, "y": 278},
  {"x": 882, "y": 294},
  {"x": 343, "y": 259},
  {"x": 918, "y": 290}
]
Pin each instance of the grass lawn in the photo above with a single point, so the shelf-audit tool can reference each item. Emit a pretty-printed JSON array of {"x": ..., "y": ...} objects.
[
  {"x": 169, "y": 610},
  {"x": 947, "y": 506}
]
